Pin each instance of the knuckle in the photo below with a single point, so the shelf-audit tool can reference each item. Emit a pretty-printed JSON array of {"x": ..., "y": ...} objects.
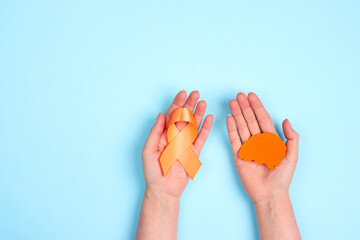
[
  {"x": 143, "y": 151},
  {"x": 296, "y": 134},
  {"x": 242, "y": 128},
  {"x": 264, "y": 119}
]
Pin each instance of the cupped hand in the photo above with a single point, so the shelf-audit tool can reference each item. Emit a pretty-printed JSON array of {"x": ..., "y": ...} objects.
[
  {"x": 248, "y": 118},
  {"x": 176, "y": 180}
]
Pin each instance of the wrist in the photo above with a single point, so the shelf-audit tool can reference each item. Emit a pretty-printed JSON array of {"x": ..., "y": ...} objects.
[
  {"x": 165, "y": 201},
  {"x": 273, "y": 202}
]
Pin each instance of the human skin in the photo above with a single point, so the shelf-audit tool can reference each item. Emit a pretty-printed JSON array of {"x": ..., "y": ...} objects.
[
  {"x": 161, "y": 203},
  {"x": 268, "y": 190}
]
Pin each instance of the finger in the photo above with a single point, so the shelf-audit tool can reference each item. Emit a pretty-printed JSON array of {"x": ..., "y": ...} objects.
[
  {"x": 261, "y": 114},
  {"x": 192, "y": 100},
  {"x": 178, "y": 102},
  {"x": 233, "y": 134},
  {"x": 292, "y": 142},
  {"x": 152, "y": 142},
  {"x": 248, "y": 114},
  {"x": 203, "y": 134},
  {"x": 240, "y": 122},
  {"x": 199, "y": 113}
]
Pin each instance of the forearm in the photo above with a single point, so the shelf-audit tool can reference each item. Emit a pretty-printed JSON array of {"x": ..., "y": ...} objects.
[
  {"x": 158, "y": 216},
  {"x": 276, "y": 219}
]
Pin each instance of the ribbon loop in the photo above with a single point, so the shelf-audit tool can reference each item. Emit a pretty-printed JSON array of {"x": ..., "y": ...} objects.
[{"x": 179, "y": 147}]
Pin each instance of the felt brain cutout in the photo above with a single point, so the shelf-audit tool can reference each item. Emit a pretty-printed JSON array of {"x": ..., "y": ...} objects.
[{"x": 264, "y": 148}]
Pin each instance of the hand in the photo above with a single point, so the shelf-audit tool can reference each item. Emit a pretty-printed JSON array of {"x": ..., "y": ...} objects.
[
  {"x": 176, "y": 180},
  {"x": 161, "y": 203},
  {"x": 249, "y": 118},
  {"x": 268, "y": 190}
]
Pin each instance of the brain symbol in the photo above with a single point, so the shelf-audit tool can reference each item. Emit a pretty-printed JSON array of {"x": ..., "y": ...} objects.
[{"x": 264, "y": 148}]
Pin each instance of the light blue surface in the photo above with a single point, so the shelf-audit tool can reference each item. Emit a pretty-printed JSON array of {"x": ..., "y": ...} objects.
[{"x": 81, "y": 83}]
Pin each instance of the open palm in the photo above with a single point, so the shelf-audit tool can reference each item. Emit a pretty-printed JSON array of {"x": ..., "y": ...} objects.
[
  {"x": 176, "y": 180},
  {"x": 249, "y": 118}
]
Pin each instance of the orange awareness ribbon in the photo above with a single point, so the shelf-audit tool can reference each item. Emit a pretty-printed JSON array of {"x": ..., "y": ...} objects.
[{"x": 179, "y": 147}]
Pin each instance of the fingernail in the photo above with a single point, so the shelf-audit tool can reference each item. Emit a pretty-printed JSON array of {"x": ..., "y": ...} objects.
[
  {"x": 157, "y": 118},
  {"x": 289, "y": 122},
  {"x": 229, "y": 115},
  {"x": 182, "y": 91}
]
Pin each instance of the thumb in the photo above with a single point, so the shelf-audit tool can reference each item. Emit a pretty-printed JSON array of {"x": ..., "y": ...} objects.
[
  {"x": 292, "y": 142},
  {"x": 152, "y": 142}
]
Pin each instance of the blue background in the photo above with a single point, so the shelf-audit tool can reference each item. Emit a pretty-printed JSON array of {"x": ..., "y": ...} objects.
[{"x": 81, "y": 83}]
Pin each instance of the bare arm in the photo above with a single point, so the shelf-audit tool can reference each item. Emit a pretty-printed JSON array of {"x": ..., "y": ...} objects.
[
  {"x": 158, "y": 217},
  {"x": 276, "y": 219}
]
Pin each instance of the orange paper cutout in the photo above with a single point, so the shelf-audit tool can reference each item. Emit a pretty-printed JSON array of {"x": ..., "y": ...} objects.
[
  {"x": 179, "y": 147},
  {"x": 264, "y": 148}
]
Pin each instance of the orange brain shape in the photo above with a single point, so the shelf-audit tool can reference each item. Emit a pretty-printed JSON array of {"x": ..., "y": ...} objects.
[{"x": 264, "y": 148}]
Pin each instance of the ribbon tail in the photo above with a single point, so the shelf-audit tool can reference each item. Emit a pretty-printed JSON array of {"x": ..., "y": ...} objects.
[
  {"x": 166, "y": 162},
  {"x": 190, "y": 162}
]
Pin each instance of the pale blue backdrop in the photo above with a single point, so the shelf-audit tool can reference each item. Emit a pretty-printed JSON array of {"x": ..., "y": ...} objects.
[{"x": 81, "y": 83}]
